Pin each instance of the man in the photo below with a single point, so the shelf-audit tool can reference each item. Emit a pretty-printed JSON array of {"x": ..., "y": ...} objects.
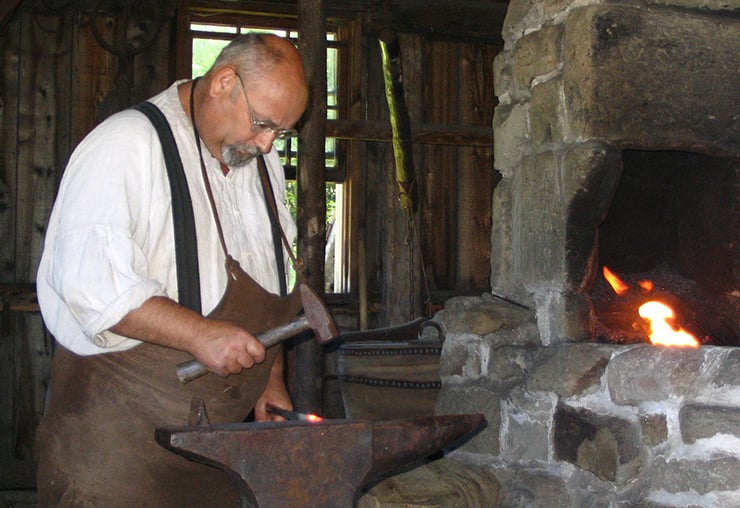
[{"x": 108, "y": 283}]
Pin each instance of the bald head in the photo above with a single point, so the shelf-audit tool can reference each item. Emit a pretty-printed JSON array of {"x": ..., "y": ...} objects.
[
  {"x": 255, "y": 90},
  {"x": 266, "y": 57}
]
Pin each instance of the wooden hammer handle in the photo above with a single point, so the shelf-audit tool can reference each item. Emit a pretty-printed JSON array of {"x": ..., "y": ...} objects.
[{"x": 193, "y": 369}]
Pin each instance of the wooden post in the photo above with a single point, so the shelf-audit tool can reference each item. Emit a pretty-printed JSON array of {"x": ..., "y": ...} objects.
[
  {"x": 399, "y": 119},
  {"x": 403, "y": 253},
  {"x": 307, "y": 372}
]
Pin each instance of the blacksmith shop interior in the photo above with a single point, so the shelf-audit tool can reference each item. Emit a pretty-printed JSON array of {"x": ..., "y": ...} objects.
[{"x": 520, "y": 221}]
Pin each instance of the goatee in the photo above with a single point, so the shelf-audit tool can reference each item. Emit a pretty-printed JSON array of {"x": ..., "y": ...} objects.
[{"x": 236, "y": 156}]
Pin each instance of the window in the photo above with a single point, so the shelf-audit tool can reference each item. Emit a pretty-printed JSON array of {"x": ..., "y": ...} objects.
[{"x": 206, "y": 33}]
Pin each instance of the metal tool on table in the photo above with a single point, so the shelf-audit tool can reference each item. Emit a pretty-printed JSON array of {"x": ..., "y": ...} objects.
[{"x": 315, "y": 316}]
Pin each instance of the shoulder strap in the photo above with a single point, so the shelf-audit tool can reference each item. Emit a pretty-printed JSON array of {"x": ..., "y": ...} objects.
[
  {"x": 277, "y": 230},
  {"x": 186, "y": 248}
]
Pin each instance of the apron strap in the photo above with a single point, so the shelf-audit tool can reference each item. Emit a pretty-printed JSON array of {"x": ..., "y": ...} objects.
[
  {"x": 277, "y": 230},
  {"x": 186, "y": 249},
  {"x": 267, "y": 190}
]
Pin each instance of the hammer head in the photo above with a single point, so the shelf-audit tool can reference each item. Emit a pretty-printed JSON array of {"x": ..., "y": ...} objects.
[{"x": 317, "y": 315}]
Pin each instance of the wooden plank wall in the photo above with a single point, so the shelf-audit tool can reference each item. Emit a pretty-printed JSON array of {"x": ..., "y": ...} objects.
[
  {"x": 36, "y": 78},
  {"x": 55, "y": 85},
  {"x": 446, "y": 83},
  {"x": 54, "y": 81}
]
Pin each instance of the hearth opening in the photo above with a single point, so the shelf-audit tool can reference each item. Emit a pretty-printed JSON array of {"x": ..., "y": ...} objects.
[{"x": 671, "y": 235}]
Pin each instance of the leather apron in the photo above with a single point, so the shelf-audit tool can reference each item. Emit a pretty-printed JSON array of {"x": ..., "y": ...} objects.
[{"x": 97, "y": 435}]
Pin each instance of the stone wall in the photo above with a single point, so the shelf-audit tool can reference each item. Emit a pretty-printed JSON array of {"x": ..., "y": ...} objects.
[
  {"x": 586, "y": 424},
  {"x": 579, "y": 82},
  {"x": 573, "y": 422}
]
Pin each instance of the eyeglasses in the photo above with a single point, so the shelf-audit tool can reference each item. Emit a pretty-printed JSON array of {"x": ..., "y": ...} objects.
[{"x": 260, "y": 126}]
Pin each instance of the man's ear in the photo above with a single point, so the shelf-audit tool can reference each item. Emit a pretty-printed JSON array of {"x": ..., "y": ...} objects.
[{"x": 223, "y": 82}]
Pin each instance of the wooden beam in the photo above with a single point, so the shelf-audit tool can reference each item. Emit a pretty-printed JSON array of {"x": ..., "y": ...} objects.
[
  {"x": 7, "y": 8},
  {"x": 364, "y": 130},
  {"x": 308, "y": 360},
  {"x": 471, "y": 20}
]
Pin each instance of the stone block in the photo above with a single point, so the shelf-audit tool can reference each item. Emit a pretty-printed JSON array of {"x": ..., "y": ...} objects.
[
  {"x": 526, "y": 418},
  {"x": 502, "y": 255},
  {"x": 569, "y": 369},
  {"x": 508, "y": 365},
  {"x": 600, "y": 455},
  {"x": 482, "y": 316},
  {"x": 533, "y": 488},
  {"x": 700, "y": 421},
  {"x": 520, "y": 15},
  {"x": 553, "y": 8},
  {"x": 473, "y": 399},
  {"x": 503, "y": 78},
  {"x": 546, "y": 113},
  {"x": 537, "y": 54},
  {"x": 650, "y": 373},
  {"x": 663, "y": 59},
  {"x": 702, "y": 476},
  {"x": 462, "y": 358},
  {"x": 654, "y": 428},
  {"x": 505, "y": 279},
  {"x": 525, "y": 335},
  {"x": 562, "y": 316},
  {"x": 608, "y": 446},
  {"x": 538, "y": 235},
  {"x": 510, "y": 136},
  {"x": 719, "y": 5},
  {"x": 729, "y": 375}
]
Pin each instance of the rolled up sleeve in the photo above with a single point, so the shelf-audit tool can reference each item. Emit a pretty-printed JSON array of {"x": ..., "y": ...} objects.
[
  {"x": 102, "y": 275},
  {"x": 110, "y": 221}
]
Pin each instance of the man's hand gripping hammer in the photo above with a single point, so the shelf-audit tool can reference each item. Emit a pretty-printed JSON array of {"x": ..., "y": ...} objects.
[{"x": 315, "y": 316}]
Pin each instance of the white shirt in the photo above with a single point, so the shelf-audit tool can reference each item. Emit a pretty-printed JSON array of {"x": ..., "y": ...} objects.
[{"x": 110, "y": 244}]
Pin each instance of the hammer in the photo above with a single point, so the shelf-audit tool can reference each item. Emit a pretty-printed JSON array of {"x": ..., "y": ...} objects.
[{"x": 315, "y": 316}]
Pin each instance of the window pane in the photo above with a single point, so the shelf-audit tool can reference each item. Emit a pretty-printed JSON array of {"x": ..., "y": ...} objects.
[
  {"x": 281, "y": 33},
  {"x": 200, "y": 27},
  {"x": 208, "y": 41},
  {"x": 205, "y": 52}
]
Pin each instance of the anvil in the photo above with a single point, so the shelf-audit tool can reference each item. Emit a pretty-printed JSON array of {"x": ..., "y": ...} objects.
[{"x": 295, "y": 464}]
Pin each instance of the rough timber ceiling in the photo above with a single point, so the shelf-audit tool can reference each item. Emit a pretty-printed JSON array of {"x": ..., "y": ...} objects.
[
  {"x": 469, "y": 20},
  {"x": 438, "y": 19}
]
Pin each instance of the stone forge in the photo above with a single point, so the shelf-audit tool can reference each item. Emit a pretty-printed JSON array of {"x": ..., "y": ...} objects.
[{"x": 599, "y": 101}]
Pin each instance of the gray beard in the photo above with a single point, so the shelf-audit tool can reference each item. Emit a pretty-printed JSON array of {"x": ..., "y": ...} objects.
[{"x": 239, "y": 155}]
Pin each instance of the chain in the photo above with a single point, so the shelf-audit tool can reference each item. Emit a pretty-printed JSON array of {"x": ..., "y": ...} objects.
[
  {"x": 413, "y": 238},
  {"x": 412, "y": 254}
]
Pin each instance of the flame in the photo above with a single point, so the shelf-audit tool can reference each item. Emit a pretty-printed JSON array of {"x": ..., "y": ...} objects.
[
  {"x": 615, "y": 282},
  {"x": 646, "y": 285},
  {"x": 657, "y": 313},
  {"x": 661, "y": 332},
  {"x": 313, "y": 418}
]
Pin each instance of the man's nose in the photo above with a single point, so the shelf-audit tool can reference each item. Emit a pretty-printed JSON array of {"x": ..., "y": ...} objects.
[{"x": 265, "y": 140}]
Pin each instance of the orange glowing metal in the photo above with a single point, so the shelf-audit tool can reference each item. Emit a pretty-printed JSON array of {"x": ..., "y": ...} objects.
[
  {"x": 646, "y": 285},
  {"x": 661, "y": 332},
  {"x": 289, "y": 414},
  {"x": 615, "y": 282}
]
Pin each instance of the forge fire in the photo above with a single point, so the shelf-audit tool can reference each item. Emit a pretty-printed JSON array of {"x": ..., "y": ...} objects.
[
  {"x": 664, "y": 311},
  {"x": 661, "y": 320}
]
